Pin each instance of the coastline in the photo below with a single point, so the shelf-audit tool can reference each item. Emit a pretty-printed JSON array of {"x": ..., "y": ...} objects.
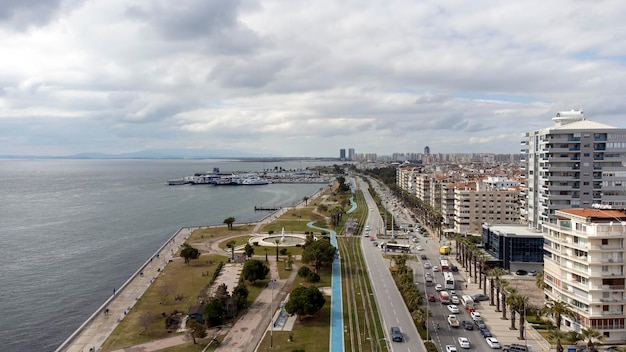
[{"x": 98, "y": 326}]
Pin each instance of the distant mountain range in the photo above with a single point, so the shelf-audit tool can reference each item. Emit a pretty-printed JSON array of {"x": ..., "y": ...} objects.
[{"x": 160, "y": 154}]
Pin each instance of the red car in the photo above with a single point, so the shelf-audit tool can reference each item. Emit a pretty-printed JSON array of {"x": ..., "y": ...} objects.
[{"x": 431, "y": 297}]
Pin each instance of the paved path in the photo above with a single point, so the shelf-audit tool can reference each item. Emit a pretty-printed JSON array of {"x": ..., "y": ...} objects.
[{"x": 99, "y": 326}]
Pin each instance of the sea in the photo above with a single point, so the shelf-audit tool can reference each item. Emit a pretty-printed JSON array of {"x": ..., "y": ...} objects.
[{"x": 73, "y": 230}]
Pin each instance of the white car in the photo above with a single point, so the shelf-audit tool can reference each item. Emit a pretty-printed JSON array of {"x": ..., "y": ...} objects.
[
  {"x": 450, "y": 348},
  {"x": 427, "y": 265},
  {"x": 475, "y": 315},
  {"x": 453, "y": 309},
  {"x": 455, "y": 299},
  {"x": 464, "y": 342},
  {"x": 438, "y": 287},
  {"x": 435, "y": 268},
  {"x": 492, "y": 342},
  {"x": 419, "y": 248}
]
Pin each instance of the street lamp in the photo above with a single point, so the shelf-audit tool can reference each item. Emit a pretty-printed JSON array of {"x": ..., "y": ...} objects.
[
  {"x": 427, "y": 314},
  {"x": 271, "y": 283}
]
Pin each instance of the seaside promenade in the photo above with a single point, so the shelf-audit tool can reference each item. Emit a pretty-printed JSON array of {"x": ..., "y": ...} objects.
[
  {"x": 247, "y": 331},
  {"x": 97, "y": 328}
]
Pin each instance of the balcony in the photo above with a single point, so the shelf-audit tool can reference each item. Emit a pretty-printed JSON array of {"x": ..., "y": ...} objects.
[{"x": 612, "y": 312}]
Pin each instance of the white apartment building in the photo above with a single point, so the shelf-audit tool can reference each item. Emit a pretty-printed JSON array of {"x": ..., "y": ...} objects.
[
  {"x": 573, "y": 164},
  {"x": 474, "y": 206},
  {"x": 584, "y": 266}
]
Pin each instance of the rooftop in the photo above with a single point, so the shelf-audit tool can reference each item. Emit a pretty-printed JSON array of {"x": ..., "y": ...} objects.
[{"x": 594, "y": 215}]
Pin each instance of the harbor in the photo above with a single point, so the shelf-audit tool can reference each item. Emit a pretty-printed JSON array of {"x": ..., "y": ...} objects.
[{"x": 245, "y": 178}]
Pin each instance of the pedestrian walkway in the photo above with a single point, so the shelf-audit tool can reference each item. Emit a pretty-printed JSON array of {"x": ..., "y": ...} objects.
[{"x": 92, "y": 334}]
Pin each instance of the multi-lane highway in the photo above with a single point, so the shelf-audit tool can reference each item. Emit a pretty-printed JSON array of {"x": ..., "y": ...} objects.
[{"x": 392, "y": 309}]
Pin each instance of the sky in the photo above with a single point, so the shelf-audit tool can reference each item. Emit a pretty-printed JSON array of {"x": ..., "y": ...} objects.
[{"x": 303, "y": 78}]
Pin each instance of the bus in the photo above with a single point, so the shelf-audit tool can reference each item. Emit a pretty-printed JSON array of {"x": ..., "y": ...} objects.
[
  {"x": 445, "y": 265},
  {"x": 448, "y": 281},
  {"x": 396, "y": 247},
  {"x": 444, "y": 297}
]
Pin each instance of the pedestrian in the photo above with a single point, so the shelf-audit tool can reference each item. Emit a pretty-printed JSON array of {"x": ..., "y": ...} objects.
[
  {"x": 466, "y": 285},
  {"x": 113, "y": 292}
]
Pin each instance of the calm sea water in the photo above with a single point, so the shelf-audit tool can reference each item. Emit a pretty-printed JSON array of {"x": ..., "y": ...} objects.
[{"x": 72, "y": 230}]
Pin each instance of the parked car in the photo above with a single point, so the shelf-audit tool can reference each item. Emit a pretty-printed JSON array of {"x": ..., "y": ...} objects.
[
  {"x": 475, "y": 315},
  {"x": 485, "y": 332},
  {"x": 467, "y": 325},
  {"x": 453, "y": 309},
  {"x": 464, "y": 342},
  {"x": 480, "y": 323},
  {"x": 480, "y": 297},
  {"x": 492, "y": 342},
  {"x": 532, "y": 273},
  {"x": 516, "y": 347},
  {"x": 521, "y": 272},
  {"x": 431, "y": 297},
  {"x": 396, "y": 334}
]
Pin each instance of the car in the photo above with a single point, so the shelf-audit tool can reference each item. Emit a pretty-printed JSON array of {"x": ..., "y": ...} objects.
[
  {"x": 453, "y": 321},
  {"x": 438, "y": 287},
  {"x": 515, "y": 347},
  {"x": 480, "y": 323},
  {"x": 475, "y": 315},
  {"x": 453, "y": 309},
  {"x": 452, "y": 292},
  {"x": 521, "y": 272},
  {"x": 467, "y": 325},
  {"x": 424, "y": 257},
  {"x": 485, "y": 332},
  {"x": 455, "y": 299},
  {"x": 396, "y": 334},
  {"x": 431, "y": 297},
  {"x": 435, "y": 268},
  {"x": 415, "y": 240},
  {"x": 492, "y": 342},
  {"x": 480, "y": 297},
  {"x": 419, "y": 248},
  {"x": 427, "y": 265},
  {"x": 375, "y": 244},
  {"x": 532, "y": 273},
  {"x": 371, "y": 238},
  {"x": 464, "y": 342},
  {"x": 454, "y": 269},
  {"x": 450, "y": 348}
]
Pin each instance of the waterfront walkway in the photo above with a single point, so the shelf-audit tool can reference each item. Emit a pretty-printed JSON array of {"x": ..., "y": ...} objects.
[{"x": 98, "y": 327}]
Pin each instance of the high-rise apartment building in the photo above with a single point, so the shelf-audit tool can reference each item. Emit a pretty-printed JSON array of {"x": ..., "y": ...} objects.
[
  {"x": 342, "y": 154},
  {"x": 351, "y": 154},
  {"x": 584, "y": 267},
  {"x": 573, "y": 164}
]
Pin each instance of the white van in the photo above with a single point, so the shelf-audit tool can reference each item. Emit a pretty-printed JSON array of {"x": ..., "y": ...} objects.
[{"x": 467, "y": 300}]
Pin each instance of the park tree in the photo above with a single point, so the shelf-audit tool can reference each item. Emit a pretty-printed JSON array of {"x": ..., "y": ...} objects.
[
  {"x": 195, "y": 330},
  {"x": 320, "y": 253},
  {"x": 240, "y": 293},
  {"x": 229, "y": 222},
  {"x": 313, "y": 277},
  {"x": 232, "y": 244},
  {"x": 248, "y": 250},
  {"x": 214, "y": 312},
  {"x": 254, "y": 270},
  {"x": 305, "y": 301},
  {"x": 189, "y": 253},
  {"x": 304, "y": 271}
]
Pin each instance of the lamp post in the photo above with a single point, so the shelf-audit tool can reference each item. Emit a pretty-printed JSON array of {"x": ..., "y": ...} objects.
[
  {"x": 271, "y": 282},
  {"x": 427, "y": 314}
]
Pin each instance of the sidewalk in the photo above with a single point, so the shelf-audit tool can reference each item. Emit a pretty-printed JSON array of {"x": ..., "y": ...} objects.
[
  {"x": 99, "y": 326},
  {"x": 499, "y": 328}
]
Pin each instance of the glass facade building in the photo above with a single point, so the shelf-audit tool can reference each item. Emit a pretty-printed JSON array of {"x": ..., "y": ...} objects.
[{"x": 515, "y": 246}]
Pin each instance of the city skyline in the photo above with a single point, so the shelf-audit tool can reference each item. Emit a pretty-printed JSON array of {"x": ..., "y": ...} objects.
[{"x": 288, "y": 79}]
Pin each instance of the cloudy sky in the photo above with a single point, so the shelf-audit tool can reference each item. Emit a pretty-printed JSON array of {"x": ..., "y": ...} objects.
[{"x": 303, "y": 78}]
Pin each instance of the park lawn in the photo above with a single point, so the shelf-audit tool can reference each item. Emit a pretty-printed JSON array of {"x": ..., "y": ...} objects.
[
  {"x": 178, "y": 279},
  {"x": 290, "y": 226},
  {"x": 209, "y": 233},
  {"x": 309, "y": 334},
  {"x": 239, "y": 241}
]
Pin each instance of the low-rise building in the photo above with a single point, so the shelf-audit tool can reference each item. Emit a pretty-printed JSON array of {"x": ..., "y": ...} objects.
[{"x": 514, "y": 247}]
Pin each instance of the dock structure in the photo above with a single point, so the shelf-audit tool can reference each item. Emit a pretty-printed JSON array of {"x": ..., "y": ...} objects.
[{"x": 266, "y": 208}]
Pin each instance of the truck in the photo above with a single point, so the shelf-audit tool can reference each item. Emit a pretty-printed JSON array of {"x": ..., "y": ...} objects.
[{"x": 453, "y": 321}]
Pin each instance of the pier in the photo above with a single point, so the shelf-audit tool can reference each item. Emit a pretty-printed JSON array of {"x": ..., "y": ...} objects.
[{"x": 266, "y": 208}]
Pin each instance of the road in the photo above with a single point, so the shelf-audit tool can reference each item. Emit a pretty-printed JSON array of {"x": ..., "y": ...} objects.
[{"x": 392, "y": 308}]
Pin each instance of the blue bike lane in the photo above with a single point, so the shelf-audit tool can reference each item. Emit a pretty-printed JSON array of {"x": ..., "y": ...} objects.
[{"x": 336, "y": 300}]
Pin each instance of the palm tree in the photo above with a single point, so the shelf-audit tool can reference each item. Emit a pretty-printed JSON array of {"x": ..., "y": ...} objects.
[
  {"x": 557, "y": 309},
  {"x": 229, "y": 222},
  {"x": 539, "y": 280},
  {"x": 501, "y": 286},
  {"x": 558, "y": 335},
  {"x": 522, "y": 303},
  {"x": 506, "y": 292},
  {"x": 512, "y": 301},
  {"x": 483, "y": 258},
  {"x": 494, "y": 275},
  {"x": 231, "y": 245},
  {"x": 591, "y": 334}
]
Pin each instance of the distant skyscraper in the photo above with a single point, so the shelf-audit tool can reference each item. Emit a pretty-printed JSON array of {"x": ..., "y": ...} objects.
[
  {"x": 574, "y": 164},
  {"x": 342, "y": 154},
  {"x": 351, "y": 154},
  {"x": 426, "y": 150}
]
